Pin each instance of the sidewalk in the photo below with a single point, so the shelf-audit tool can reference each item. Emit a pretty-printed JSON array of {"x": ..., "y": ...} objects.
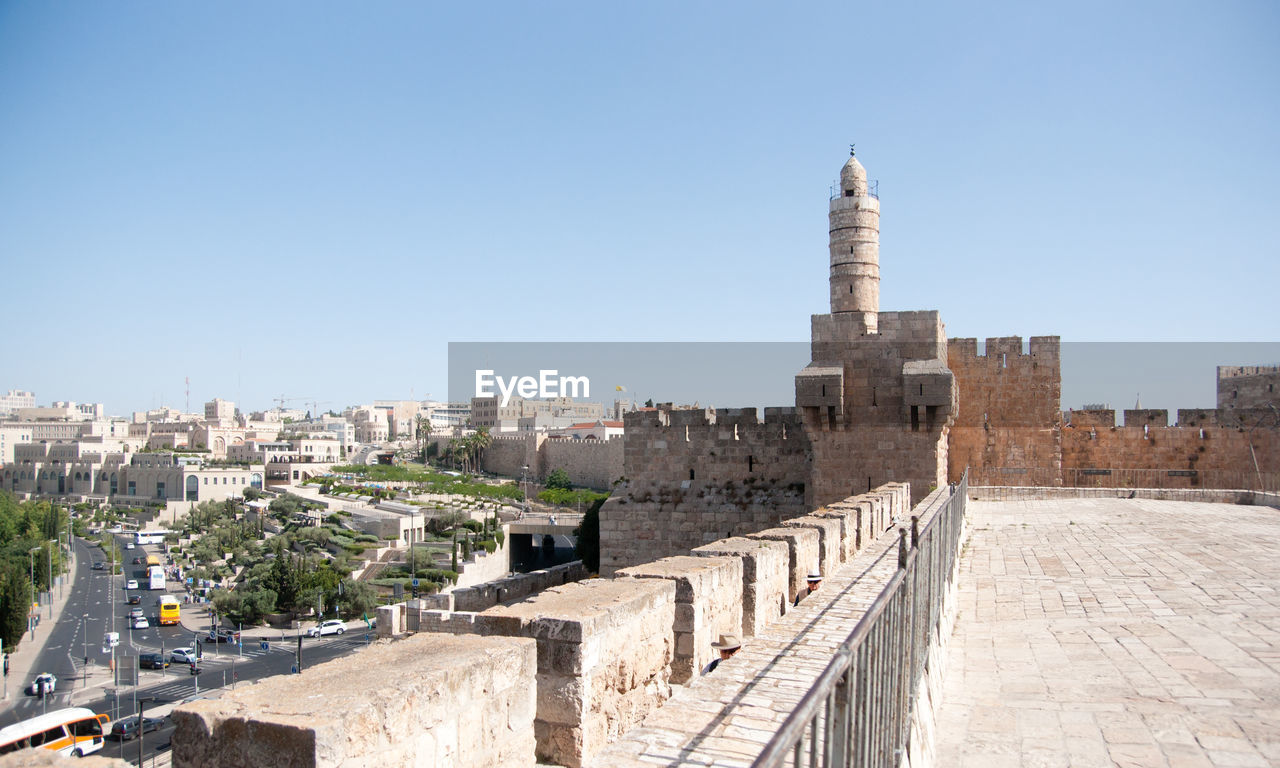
[{"x": 23, "y": 659}]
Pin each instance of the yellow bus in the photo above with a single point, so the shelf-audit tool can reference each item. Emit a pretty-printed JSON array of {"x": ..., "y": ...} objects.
[
  {"x": 152, "y": 560},
  {"x": 74, "y": 732},
  {"x": 168, "y": 609}
]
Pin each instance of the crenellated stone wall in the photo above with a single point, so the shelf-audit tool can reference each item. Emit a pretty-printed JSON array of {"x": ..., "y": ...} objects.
[
  {"x": 604, "y": 657},
  {"x": 765, "y": 571},
  {"x": 708, "y": 604},
  {"x": 467, "y": 702}
]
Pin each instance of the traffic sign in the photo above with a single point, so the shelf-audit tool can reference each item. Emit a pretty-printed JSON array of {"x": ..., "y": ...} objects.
[
  {"x": 264, "y": 645},
  {"x": 415, "y": 583}
]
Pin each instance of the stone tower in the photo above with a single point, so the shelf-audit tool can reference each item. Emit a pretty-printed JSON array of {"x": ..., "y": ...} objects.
[
  {"x": 877, "y": 398},
  {"x": 854, "y": 223}
]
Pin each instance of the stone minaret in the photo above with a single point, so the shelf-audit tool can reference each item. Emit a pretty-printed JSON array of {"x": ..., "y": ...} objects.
[{"x": 855, "y": 247}]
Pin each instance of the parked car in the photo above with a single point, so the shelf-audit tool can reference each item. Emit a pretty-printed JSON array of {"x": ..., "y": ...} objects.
[
  {"x": 182, "y": 655},
  {"x": 135, "y": 599},
  {"x": 44, "y": 683},
  {"x": 152, "y": 661},
  {"x": 141, "y": 623},
  {"x": 131, "y": 584},
  {"x": 330, "y": 627},
  {"x": 223, "y": 636},
  {"x": 126, "y": 728}
]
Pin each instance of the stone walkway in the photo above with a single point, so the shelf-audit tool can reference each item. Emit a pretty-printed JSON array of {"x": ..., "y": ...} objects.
[{"x": 1099, "y": 632}]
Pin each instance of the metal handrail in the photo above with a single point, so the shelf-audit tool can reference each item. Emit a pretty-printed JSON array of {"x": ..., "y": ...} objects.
[{"x": 828, "y": 716}]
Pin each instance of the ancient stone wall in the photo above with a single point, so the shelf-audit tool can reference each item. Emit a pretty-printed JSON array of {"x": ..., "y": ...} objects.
[
  {"x": 695, "y": 476},
  {"x": 708, "y": 604},
  {"x": 514, "y": 587},
  {"x": 1170, "y": 457},
  {"x": 1008, "y": 425},
  {"x": 876, "y": 407},
  {"x": 1251, "y": 386},
  {"x": 472, "y": 705},
  {"x": 765, "y": 582},
  {"x": 590, "y": 463},
  {"x": 604, "y": 657}
]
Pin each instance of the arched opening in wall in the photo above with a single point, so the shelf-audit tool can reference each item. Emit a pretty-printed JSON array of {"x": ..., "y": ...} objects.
[
  {"x": 735, "y": 431},
  {"x": 751, "y": 464},
  {"x": 255, "y": 481},
  {"x": 193, "y": 488},
  {"x": 690, "y": 474},
  {"x": 915, "y": 418},
  {"x": 873, "y": 397}
]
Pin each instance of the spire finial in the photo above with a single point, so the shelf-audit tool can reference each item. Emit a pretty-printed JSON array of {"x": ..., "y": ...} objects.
[{"x": 851, "y": 153}]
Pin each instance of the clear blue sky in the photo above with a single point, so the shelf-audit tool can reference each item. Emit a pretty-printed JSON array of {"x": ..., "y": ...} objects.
[{"x": 313, "y": 199}]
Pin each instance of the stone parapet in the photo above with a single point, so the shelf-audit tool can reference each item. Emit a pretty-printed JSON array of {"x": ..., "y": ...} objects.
[
  {"x": 802, "y": 554},
  {"x": 473, "y": 705},
  {"x": 708, "y": 604},
  {"x": 725, "y": 718},
  {"x": 515, "y": 587},
  {"x": 765, "y": 578},
  {"x": 830, "y": 543},
  {"x": 604, "y": 656}
]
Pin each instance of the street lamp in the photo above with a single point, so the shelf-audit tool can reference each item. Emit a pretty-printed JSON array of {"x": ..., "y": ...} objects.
[
  {"x": 51, "y": 543},
  {"x": 30, "y": 622}
]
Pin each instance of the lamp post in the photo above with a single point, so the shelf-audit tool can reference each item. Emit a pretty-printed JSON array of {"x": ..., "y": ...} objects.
[
  {"x": 31, "y": 622},
  {"x": 51, "y": 543}
]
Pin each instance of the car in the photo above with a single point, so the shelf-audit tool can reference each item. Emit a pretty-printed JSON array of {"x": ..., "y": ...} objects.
[
  {"x": 126, "y": 728},
  {"x": 223, "y": 635},
  {"x": 45, "y": 683},
  {"x": 131, "y": 584},
  {"x": 137, "y": 561},
  {"x": 135, "y": 599},
  {"x": 152, "y": 661},
  {"x": 136, "y": 613},
  {"x": 128, "y": 546},
  {"x": 98, "y": 565},
  {"x": 330, "y": 627},
  {"x": 183, "y": 655},
  {"x": 141, "y": 623}
]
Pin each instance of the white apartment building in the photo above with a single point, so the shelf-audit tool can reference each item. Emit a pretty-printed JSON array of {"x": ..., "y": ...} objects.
[{"x": 14, "y": 399}]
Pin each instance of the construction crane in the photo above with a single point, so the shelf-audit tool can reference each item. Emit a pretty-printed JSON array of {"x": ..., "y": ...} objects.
[{"x": 282, "y": 399}]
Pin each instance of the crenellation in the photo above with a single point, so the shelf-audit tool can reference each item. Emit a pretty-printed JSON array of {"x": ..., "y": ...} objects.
[{"x": 1146, "y": 417}]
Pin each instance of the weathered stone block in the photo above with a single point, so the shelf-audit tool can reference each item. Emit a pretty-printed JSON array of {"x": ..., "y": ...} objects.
[
  {"x": 708, "y": 602},
  {"x": 765, "y": 578},
  {"x": 802, "y": 551},
  {"x": 830, "y": 544},
  {"x": 434, "y": 699},
  {"x": 604, "y": 655}
]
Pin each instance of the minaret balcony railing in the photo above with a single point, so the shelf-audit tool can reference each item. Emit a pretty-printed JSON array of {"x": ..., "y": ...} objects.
[{"x": 873, "y": 189}]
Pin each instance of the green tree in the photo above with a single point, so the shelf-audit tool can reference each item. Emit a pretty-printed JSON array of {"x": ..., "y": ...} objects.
[
  {"x": 558, "y": 479},
  {"x": 15, "y": 597},
  {"x": 587, "y": 547},
  {"x": 357, "y": 599}
]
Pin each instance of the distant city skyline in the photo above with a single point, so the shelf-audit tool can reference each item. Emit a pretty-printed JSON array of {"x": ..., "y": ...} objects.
[{"x": 314, "y": 199}]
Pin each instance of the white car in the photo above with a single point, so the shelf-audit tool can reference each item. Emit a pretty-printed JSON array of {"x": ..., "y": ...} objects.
[
  {"x": 183, "y": 655},
  {"x": 131, "y": 584},
  {"x": 50, "y": 684},
  {"x": 330, "y": 627},
  {"x": 141, "y": 623}
]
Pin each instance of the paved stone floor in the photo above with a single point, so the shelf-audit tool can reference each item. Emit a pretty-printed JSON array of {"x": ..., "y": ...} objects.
[{"x": 1115, "y": 632}]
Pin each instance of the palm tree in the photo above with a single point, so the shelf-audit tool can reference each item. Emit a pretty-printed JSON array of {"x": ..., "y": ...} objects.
[
  {"x": 481, "y": 440},
  {"x": 423, "y": 425}
]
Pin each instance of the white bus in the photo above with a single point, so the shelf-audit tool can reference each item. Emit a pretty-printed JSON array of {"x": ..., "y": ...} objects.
[
  {"x": 148, "y": 537},
  {"x": 74, "y": 732},
  {"x": 156, "y": 575}
]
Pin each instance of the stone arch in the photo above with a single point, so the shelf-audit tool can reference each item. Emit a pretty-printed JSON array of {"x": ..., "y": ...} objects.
[{"x": 193, "y": 488}]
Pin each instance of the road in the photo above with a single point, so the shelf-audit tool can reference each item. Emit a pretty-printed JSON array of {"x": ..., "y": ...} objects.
[{"x": 97, "y": 605}]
